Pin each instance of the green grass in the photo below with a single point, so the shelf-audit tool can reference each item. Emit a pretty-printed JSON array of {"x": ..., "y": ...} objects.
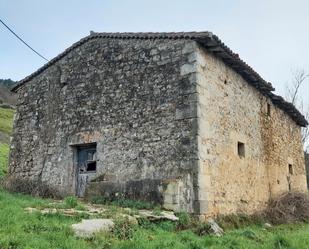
[
  {"x": 4, "y": 152},
  {"x": 19, "y": 229},
  {"x": 6, "y": 120},
  {"x": 35, "y": 230},
  {"x": 6, "y": 123}
]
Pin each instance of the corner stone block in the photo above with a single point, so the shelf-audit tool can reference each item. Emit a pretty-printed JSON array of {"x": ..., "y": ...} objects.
[
  {"x": 187, "y": 69},
  {"x": 186, "y": 111}
]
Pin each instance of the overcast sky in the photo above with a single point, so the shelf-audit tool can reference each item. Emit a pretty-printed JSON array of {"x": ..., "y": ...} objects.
[{"x": 271, "y": 36}]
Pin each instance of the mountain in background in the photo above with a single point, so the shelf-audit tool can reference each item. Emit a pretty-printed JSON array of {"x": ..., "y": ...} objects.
[
  {"x": 7, "y": 82},
  {"x": 7, "y": 98}
]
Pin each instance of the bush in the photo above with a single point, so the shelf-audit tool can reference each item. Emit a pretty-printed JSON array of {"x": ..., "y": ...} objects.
[
  {"x": 184, "y": 220},
  {"x": 291, "y": 207},
  {"x": 70, "y": 202}
]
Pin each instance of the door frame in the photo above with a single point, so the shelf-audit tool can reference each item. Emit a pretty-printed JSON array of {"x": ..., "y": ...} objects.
[{"x": 76, "y": 148}]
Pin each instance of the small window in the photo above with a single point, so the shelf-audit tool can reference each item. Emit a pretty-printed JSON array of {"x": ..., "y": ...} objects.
[
  {"x": 91, "y": 166},
  {"x": 241, "y": 149},
  {"x": 291, "y": 169},
  {"x": 268, "y": 109},
  {"x": 87, "y": 158}
]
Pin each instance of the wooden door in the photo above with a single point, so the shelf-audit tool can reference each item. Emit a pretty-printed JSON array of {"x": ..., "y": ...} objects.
[{"x": 86, "y": 167}]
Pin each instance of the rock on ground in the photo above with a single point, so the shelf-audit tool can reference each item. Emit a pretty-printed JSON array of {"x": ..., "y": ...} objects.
[
  {"x": 164, "y": 215},
  {"x": 215, "y": 228},
  {"x": 87, "y": 228}
]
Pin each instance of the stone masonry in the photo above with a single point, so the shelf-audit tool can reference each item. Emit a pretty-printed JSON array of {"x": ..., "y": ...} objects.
[{"x": 170, "y": 122}]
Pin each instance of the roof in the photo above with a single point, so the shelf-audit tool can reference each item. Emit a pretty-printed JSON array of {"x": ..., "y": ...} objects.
[{"x": 210, "y": 42}]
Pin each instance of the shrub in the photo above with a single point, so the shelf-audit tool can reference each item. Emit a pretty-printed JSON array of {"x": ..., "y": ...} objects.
[
  {"x": 70, "y": 202},
  {"x": 289, "y": 207},
  {"x": 184, "y": 220}
]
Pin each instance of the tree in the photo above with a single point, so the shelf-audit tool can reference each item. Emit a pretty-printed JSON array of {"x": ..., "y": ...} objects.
[{"x": 293, "y": 94}]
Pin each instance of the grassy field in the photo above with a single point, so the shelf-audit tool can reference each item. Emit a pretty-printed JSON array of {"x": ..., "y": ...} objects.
[
  {"x": 19, "y": 229},
  {"x": 4, "y": 152},
  {"x": 6, "y": 120}
]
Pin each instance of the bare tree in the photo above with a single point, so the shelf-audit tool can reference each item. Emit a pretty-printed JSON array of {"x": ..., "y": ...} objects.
[{"x": 293, "y": 94}]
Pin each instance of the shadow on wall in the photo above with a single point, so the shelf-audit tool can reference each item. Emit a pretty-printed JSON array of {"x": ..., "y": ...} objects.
[{"x": 307, "y": 167}]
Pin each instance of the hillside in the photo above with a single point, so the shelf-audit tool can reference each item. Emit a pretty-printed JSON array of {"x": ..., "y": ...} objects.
[
  {"x": 6, "y": 96},
  {"x": 6, "y": 122},
  {"x": 8, "y": 102},
  {"x": 7, "y": 83}
]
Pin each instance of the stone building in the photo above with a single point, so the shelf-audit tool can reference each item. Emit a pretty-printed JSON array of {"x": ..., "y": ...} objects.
[{"x": 174, "y": 118}]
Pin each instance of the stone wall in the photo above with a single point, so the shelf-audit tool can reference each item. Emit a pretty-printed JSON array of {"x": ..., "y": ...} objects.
[
  {"x": 167, "y": 118},
  {"x": 230, "y": 111},
  {"x": 130, "y": 98}
]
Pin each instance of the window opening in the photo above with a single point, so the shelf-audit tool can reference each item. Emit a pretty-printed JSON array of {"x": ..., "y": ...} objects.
[{"x": 241, "y": 149}]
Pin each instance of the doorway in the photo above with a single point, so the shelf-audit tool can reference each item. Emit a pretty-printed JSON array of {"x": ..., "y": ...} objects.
[{"x": 86, "y": 166}]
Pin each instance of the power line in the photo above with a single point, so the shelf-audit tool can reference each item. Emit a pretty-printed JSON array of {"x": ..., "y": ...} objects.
[{"x": 19, "y": 38}]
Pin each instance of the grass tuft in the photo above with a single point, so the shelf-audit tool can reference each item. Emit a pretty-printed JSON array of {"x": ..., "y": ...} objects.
[{"x": 70, "y": 202}]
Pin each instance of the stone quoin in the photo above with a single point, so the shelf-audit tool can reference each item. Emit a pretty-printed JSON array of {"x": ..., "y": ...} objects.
[{"x": 172, "y": 118}]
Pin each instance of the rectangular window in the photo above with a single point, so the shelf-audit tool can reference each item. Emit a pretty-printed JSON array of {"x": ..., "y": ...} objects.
[
  {"x": 268, "y": 110},
  {"x": 241, "y": 149},
  {"x": 291, "y": 169},
  {"x": 87, "y": 158}
]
